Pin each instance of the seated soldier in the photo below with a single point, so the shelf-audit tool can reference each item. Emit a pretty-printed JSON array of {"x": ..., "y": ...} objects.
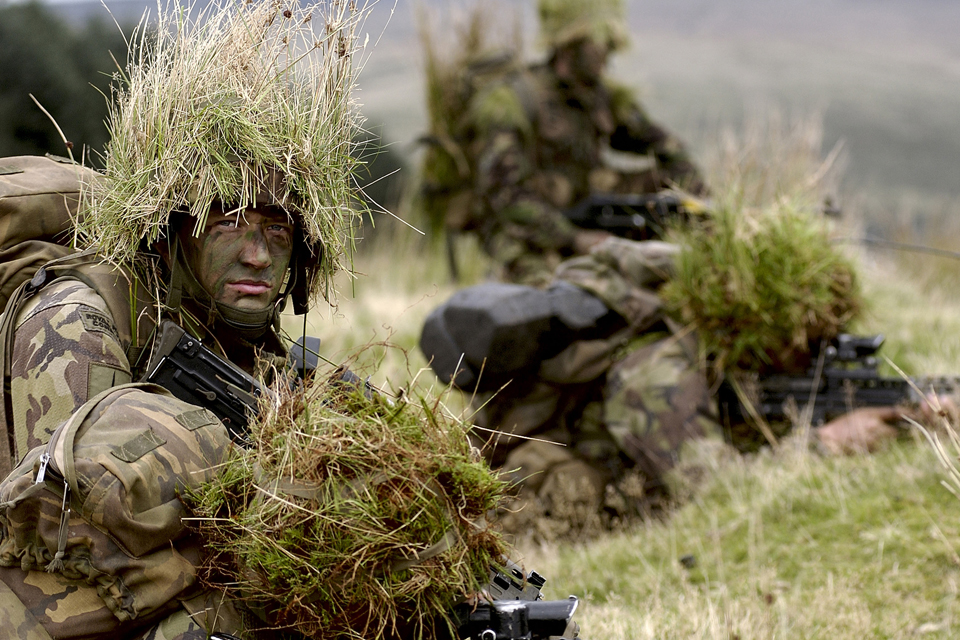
[
  {"x": 532, "y": 141},
  {"x": 213, "y": 235}
]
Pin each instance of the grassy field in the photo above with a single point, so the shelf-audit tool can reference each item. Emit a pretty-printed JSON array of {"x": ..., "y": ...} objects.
[{"x": 784, "y": 544}]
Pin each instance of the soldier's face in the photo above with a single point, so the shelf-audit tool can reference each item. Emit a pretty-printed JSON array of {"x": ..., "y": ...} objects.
[{"x": 241, "y": 260}]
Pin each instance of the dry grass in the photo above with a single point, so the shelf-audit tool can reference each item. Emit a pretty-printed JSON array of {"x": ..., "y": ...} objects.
[
  {"x": 215, "y": 100},
  {"x": 351, "y": 516}
]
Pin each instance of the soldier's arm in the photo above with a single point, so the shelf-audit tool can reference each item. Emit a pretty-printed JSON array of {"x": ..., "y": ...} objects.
[
  {"x": 505, "y": 185},
  {"x": 65, "y": 351},
  {"x": 636, "y": 132}
]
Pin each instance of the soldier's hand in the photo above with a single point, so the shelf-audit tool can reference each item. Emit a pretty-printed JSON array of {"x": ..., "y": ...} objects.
[
  {"x": 934, "y": 409},
  {"x": 860, "y": 431}
]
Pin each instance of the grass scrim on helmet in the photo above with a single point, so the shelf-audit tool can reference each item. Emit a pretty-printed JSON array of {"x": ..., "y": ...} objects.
[
  {"x": 215, "y": 103},
  {"x": 564, "y": 21}
]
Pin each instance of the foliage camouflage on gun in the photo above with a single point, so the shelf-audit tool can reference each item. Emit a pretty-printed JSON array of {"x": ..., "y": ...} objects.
[
  {"x": 643, "y": 216},
  {"x": 848, "y": 380},
  {"x": 194, "y": 374}
]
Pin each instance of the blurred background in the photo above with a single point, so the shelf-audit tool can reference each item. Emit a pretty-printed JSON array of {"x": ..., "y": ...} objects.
[
  {"x": 882, "y": 77},
  {"x": 877, "y": 80}
]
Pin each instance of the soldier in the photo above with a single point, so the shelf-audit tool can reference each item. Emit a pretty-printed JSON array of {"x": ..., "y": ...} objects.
[
  {"x": 600, "y": 368},
  {"x": 215, "y": 238},
  {"x": 530, "y": 142}
]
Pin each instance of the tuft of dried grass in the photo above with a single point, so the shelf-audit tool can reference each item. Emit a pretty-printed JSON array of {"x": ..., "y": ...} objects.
[
  {"x": 761, "y": 285},
  {"x": 218, "y": 101},
  {"x": 351, "y": 516}
]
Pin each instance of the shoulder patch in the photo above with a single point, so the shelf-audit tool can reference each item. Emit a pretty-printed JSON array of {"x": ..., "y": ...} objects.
[
  {"x": 193, "y": 420},
  {"x": 94, "y": 320},
  {"x": 140, "y": 445}
]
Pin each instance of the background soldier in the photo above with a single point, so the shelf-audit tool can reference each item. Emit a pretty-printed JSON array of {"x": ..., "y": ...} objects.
[{"x": 516, "y": 145}]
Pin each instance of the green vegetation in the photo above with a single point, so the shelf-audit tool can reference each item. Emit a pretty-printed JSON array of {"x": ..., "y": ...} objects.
[
  {"x": 761, "y": 285},
  {"x": 351, "y": 516}
]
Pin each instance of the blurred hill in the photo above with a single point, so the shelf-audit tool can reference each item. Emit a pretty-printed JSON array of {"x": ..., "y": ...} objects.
[{"x": 883, "y": 74}]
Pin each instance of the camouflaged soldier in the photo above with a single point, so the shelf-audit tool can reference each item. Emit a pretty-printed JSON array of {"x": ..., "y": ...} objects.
[
  {"x": 620, "y": 386},
  {"x": 625, "y": 402},
  {"x": 214, "y": 234},
  {"x": 533, "y": 141}
]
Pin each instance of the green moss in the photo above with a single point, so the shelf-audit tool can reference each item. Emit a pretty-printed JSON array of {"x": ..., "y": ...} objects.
[{"x": 340, "y": 492}]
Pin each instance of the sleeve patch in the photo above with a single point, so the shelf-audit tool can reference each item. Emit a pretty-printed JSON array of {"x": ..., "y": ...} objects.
[
  {"x": 141, "y": 444},
  {"x": 94, "y": 320},
  {"x": 193, "y": 420}
]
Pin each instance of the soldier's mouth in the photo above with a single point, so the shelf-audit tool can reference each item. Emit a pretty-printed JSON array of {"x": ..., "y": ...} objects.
[{"x": 251, "y": 287}]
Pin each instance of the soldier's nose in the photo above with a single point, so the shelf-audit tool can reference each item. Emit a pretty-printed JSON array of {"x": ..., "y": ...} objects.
[{"x": 255, "y": 252}]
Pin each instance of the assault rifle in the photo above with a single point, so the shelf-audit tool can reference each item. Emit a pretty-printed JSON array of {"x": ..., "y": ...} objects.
[
  {"x": 848, "y": 380},
  {"x": 195, "y": 374},
  {"x": 635, "y": 216},
  {"x": 516, "y": 610}
]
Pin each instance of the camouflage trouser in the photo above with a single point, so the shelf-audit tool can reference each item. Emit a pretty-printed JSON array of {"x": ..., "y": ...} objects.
[
  {"x": 656, "y": 400},
  {"x": 624, "y": 436}
]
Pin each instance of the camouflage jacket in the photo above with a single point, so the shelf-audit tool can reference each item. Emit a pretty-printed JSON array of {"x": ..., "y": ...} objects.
[
  {"x": 632, "y": 399},
  {"x": 65, "y": 350},
  {"x": 535, "y": 146}
]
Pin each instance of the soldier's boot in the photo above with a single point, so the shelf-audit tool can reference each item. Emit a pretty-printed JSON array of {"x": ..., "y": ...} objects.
[{"x": 559, "y": 495}]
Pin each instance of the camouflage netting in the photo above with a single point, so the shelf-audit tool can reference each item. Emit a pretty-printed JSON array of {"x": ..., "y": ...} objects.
[
  {"x": 602, "y": 21},
  {"x": 225, "y": 103},
  {"x": 762, "y": 285},
  {"x": 351, "y": 516}
]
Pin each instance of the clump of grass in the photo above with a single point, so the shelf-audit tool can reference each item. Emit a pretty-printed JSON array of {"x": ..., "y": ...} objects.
[
  {"x": 224, "y": 102},
  {"x": 761, "y": 285},
  {"x": 759, "y": 278},
  {"x": 351, "y": 516}
]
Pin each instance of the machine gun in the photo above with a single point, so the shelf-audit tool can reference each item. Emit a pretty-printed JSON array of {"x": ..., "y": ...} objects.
[
  {"x": 848, "y": 380},
  {"x": 635, "y": 216}
]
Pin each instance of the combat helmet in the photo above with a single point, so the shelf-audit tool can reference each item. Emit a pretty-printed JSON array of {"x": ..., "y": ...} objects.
[
  {"x": 565, "y": 21},
  {"x": 241, "y": 104}
]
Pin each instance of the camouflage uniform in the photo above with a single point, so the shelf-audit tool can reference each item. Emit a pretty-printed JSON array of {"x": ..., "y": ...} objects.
[
  {"x": 625, "y": 405},
  {"x": 66, "y": 350},
  {"x": 524, "y": 143},
  {"x": 574, "y": 141}
]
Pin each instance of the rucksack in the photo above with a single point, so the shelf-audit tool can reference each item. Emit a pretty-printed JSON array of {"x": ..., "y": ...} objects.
[
  {"x": 39, "y": 202},
  {"x": 39, "y": 198},
  {"x": 102, "y": 505}
]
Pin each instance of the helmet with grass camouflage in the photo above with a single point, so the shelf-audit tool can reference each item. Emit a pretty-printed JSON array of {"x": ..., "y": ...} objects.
[
  {"x": 565, "y": 21},
  {"x": 244, "y": 104}
]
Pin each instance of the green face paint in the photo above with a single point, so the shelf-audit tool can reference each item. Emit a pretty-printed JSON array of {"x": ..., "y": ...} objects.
[{"x": 241, "y": 259}]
